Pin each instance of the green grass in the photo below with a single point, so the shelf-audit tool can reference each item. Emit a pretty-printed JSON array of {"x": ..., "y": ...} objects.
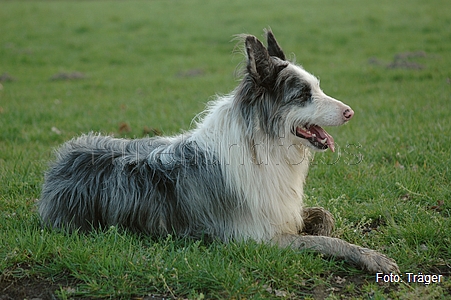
[{"x": 155, "y": 64}]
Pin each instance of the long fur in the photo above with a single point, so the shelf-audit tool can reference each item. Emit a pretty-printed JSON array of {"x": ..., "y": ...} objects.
[{"x": 238, "y": 175}]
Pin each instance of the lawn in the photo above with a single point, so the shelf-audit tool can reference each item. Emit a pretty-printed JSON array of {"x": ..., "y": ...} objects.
[{"x": 136, "y": 68}]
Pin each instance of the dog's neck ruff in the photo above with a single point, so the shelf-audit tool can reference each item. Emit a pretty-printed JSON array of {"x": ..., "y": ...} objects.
[{"x": 267, "y": 174}]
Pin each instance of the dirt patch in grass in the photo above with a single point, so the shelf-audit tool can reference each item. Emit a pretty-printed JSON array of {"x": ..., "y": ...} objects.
[
  {"x": 68, "y": 76},
  {"x": 36, "y": 288},
  {"x": 404, "y": 60},
  {"x": 28, "y": 288}
]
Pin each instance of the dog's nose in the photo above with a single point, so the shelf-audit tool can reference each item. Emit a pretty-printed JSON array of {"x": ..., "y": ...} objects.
[{"x": 348, "y": 113}]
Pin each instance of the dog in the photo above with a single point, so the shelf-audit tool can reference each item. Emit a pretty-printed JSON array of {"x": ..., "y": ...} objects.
[{"x": 238, "y": 175}]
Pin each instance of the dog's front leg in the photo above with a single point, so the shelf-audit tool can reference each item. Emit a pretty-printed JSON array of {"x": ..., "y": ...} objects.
[{"x": 368, "y": 259}]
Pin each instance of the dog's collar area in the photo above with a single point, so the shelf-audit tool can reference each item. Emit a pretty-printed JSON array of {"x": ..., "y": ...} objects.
[{"x": 317, "y": 136}]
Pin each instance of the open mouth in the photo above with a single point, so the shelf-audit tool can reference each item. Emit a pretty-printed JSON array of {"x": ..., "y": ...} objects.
[{"x": 317, "y": 136}]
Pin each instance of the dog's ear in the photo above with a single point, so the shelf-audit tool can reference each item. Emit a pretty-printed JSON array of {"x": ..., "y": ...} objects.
[
  {"x": 273, "y": 47},
  {"x": 260, "y": 66},
  {"x": 258, "y": 61}
]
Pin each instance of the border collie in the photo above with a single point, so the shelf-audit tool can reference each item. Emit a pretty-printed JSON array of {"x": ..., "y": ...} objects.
[{"x": 238, "y": 175}]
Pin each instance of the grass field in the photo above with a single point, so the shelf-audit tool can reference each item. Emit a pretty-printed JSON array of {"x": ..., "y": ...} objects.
[{"x": 132, "y": 67}]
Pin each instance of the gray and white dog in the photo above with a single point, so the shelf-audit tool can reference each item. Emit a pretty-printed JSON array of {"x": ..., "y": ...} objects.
[{"x": 238, "y": 175}]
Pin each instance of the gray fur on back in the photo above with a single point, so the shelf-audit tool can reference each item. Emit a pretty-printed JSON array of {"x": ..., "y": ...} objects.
[{"x": 154, "y": 185}]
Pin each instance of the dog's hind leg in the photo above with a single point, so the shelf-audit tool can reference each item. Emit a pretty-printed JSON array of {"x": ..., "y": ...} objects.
[
  {"x": 317, "y": 221},
  {"x": 368, "y": 259}
]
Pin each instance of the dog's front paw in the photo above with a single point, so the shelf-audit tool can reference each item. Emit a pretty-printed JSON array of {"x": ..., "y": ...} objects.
[{"x": 375, "y": 262}]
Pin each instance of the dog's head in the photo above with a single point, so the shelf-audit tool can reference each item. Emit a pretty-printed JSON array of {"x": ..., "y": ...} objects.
[{"x": 281, "y": 98}]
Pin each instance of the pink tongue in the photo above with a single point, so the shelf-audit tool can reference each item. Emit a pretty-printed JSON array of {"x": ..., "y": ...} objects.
[{"x": 320, "y": 134}]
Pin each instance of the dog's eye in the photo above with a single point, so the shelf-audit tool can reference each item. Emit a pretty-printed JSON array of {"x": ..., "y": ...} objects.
[
  {"x": 298, "y": 90},
  {"x": 306, "y": 97}
]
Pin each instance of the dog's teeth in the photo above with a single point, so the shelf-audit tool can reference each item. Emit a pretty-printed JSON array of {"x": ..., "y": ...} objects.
[
  {"x": 314, "y": 135},
  {"x": 324, "y": 141}
]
